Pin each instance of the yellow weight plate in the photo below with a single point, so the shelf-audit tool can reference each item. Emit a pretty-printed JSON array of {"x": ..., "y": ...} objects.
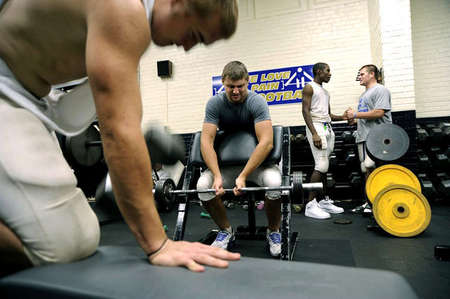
[
  {"x": 401, "y": 211},
  {"x": 387, "y": 175}
]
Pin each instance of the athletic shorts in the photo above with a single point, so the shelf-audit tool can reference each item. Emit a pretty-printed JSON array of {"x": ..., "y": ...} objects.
[
  {"x": 39, "y": 198},
  {"x": 326, "y": 134}
]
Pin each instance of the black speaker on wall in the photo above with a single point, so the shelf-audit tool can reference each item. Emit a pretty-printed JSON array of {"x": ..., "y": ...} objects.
[{"x": 164, "y": 68}]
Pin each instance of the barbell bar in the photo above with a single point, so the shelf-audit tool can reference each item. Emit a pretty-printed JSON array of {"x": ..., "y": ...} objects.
[
  {"x": 164, "y": 191},
  {"x": 307, "y": 186}
]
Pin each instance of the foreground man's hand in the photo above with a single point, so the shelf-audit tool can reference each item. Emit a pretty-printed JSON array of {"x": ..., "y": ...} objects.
[{"x": 192, "y": 256}]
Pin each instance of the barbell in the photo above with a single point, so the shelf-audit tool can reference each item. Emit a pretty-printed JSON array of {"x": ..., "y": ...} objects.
[{"x": 165, "y": 193}]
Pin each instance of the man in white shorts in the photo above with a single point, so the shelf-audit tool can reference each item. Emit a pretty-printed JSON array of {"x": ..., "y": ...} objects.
[
  {"x": 44, "y": 217},
  {"x": 317, "y": 114},
  {"x": 238, "y": 109},
  {"x": 374, "y": 108}
]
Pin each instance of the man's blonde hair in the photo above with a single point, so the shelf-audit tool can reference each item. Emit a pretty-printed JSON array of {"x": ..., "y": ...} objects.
[
  {"x": 228, "y": 10},
  {"x": 234, "y": 70}
]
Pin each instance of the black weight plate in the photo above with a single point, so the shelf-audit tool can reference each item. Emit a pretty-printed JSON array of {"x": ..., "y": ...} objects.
[
  {"x": 164, "y": 199},
  {"x": 80, "y": 152},
  {"x": 342, "y": 221},
  {"x": 387, "y": 142}
]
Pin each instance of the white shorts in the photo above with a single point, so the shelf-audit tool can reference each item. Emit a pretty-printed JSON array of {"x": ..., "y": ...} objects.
[
  {"x": 39, "y": 200},
  {"x": 364, "y": 158},
  {"x": 321, "y": 156},
  {"x": 265, "y": 176}
]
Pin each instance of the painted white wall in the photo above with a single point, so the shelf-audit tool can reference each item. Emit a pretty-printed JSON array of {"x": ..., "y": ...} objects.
[
  {"x": 375, "y": 32},
  {"x": 271, "y": 34},
  {"x": 346, "y": 34},
  {"x": 431, "y": 49},
  {"x": 397, "y": 53}
]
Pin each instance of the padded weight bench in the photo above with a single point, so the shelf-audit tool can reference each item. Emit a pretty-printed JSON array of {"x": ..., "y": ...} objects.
[
  {"x": 123, "y": 272},
  {"x": 235, "y": 148}
]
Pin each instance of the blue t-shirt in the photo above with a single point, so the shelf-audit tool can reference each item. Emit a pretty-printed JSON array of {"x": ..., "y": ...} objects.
[
  {"x": 376, "y": 97},
  {"x": 229, "y": 116}
]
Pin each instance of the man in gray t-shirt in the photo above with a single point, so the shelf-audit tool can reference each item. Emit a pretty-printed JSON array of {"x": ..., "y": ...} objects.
[
  {"x": 239, "y": 109},
  {"x": 374, "y": 108}
]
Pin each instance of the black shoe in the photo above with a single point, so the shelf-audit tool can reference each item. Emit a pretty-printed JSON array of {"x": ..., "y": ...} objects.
[{"x": 360, "y": 209}]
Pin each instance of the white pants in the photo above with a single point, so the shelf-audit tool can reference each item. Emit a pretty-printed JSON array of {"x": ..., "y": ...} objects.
[
  {"x": 39, "y": 200},
  {"x": 321, "y": 156},
  {"x": 265, "y": 176}
]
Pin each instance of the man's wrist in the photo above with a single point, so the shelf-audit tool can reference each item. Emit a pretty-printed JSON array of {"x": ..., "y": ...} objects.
[
  {"x": 154, "y": 252},
  {"x": 242, "y": 177},
  {"x": 354, "y": 114}
]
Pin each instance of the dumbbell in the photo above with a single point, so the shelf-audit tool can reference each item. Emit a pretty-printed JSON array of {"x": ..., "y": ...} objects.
[
  {"x": 443, "y": 184},
  {"x": 428, "y": 188},
  {"x": 424, "y": 161},
  {"x": 347, "y": 137},
  {"x": 436, "y": 136},
  {"x": 441, "y": 161},
  {"x": 351, "y": 159},
  {"x": 422, "y": 138},
  {"x": 330, "y": 181},
  {"x": 333, "y": 162},
  {"x": 355, "y": 179}
]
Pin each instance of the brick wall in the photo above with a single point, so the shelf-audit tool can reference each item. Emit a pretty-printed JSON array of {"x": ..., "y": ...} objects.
[
  {"x": 397, "y": 61},
  {"x": 431, "y": 46},
  {"x": 344, "y": 33},
  {"x": 271, "y": 34},
  {"x": 375, "y": 32}
]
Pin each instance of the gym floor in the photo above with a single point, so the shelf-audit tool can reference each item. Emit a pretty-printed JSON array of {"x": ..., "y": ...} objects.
[{"x": 323, "y": 241}]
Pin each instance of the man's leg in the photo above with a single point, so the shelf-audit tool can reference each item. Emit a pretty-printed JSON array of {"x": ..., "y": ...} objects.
[
  {"x": 12, "y": 254},
  {"x": 39, "y": 200},
  {"x": 316, "y": 177},
  {"x": 214, "y": 205},
  {"x": 273, "y": 213},
  {"x": 218, "y": 212},
  {"x": 367, "y": 166},
  {"x": 320, "y": 156},
  {"x": 270, "y": 176},
  {"x": 326, "y": 203}
]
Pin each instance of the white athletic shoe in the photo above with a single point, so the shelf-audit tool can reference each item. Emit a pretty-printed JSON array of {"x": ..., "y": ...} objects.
[
  {"x": 274, "y": 240},
  {"x": 328, "y": 206},
  {"x": 313, "y": 210},
  {"x": 224, "y": 239}
]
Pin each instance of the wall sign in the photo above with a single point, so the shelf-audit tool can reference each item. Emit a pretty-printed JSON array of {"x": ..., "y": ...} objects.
[{"x": 277, "y": 86}]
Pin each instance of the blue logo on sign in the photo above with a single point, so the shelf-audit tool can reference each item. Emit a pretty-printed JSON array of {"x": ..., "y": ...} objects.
[{"x": 277, "y": 86}]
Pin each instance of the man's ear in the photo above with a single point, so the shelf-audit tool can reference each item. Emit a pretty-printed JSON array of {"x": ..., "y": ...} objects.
[{"x": 178, "y": 7}]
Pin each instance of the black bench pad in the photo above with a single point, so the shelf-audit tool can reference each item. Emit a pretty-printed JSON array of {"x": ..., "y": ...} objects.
[{"x": 123, "y": 272}]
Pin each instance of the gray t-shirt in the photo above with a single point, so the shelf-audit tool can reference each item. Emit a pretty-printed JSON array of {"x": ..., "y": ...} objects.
[
  {"x": 229, "y": 116},
  {"x": 376, "y": 97}
]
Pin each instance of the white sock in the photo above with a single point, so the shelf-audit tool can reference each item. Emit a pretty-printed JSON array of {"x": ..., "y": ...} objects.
[
  {"x": 229, "y": 229},
  {"x": 272, "y": 231}
]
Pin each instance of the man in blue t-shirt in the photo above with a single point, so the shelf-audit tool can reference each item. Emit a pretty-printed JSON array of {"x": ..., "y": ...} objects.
[
  {"x": 239, "y": 109},
  {"x": 374, "y": 108}
]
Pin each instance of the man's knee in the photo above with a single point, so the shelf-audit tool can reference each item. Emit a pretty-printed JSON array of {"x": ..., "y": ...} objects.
[
  {"x": 369, "y": 163},
  {"x": 322, "y": 165},
  {"x": 272, "y": 178},
  {"x": 67, "y": 237},
  {"x": 205, "y": 182}
]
